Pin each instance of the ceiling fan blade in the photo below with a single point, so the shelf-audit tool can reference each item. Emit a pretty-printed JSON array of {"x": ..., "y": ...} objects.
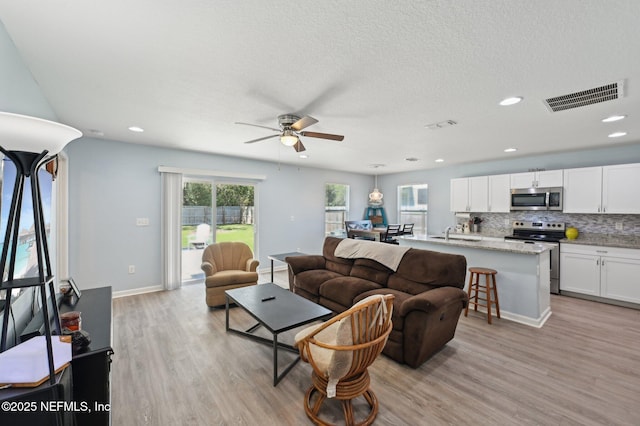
[
  {"x": 299, "y": 147},
  {"x": 263, "y": 138},
  {"x": 257, "y": 125},
  {"x": 323, "y": 136},
  {"x": 303, "y": 123}
]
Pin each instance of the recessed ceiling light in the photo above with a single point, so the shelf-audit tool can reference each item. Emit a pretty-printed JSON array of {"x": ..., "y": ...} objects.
[
  {"x": 439, "y": 160},
  {"x": 376, "y": 165},
  {"x": 511, "y": 150},
  {"x": 617, "y": 134},
  {"x": 511, "y": 101},
  {"x": 96, "y": 132},
  {"x": 411, "y": 159},
  {"x": 136, "y": 129},
  {"x": 613, "y": 118},
  {"x": 304, "y": 156}
]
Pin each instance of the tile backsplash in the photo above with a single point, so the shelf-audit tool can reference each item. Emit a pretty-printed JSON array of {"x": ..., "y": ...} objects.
[{"x": 585, "y": 223}]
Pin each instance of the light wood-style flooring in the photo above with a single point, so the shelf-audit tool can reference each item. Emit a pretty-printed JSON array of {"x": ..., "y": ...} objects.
[{"x": 175, "y": 365}]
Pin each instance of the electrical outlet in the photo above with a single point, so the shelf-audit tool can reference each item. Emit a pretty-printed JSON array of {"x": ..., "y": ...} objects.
[
  {"x": 618, "y": 226},
  {"x": 142, "y": 221},
  {"x": 132, "y": 269},
  {"x": 507, "y": 222}
]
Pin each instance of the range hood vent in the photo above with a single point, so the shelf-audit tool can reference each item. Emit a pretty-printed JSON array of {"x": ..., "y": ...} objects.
[{"x": 608, "y": 92}]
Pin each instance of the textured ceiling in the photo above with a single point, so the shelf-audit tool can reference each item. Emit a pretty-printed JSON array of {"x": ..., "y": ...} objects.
[{"x": 375, "y": 71}]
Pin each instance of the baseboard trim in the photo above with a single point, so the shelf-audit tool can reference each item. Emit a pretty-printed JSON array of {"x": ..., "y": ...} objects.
[
  {"x": 532, "y": 322},
  {"x": 267, "y": 270},
  {"x": 136, "y": 291}
]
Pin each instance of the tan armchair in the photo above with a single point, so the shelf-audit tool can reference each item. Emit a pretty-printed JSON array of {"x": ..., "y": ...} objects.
[
  {"x": 340, "y": 351},
  {"x": 227, "y": 265}
]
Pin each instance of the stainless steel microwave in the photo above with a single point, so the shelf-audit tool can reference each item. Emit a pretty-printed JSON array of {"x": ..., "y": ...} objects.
[{"x": 536, "y": 199}]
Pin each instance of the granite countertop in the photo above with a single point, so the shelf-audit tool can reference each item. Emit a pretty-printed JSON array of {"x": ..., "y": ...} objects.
[
  {"x": 475, "y": 241},
  {"x": 606, "y": 240}
]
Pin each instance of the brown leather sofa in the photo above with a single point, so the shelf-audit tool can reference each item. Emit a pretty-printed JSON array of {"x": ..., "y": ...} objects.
[
  {"x": 427, "y": 285},
  {"x": 227, "y": 265}
]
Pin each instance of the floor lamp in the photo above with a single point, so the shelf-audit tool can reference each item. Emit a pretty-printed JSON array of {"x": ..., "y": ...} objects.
[{"x": 30, "y": 142}]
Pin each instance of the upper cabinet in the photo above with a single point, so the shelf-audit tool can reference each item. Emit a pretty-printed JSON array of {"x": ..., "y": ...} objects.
[
  {"x": 459, "y": 195},
  {"x": 620, "y": 188},
  {"x": 469, "y": 194},
  {"x": 499, "y": 194},
  {"x": 540, "y": 179},
  {"x": 608, "y": 189},
  {"x": 582, "y": 190}
]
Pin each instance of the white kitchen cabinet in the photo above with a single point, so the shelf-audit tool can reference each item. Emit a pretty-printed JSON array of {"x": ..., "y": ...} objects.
[
  {"x": 608, "y": 272},
  {"x": 479, "y": 194},
  {"x": 579, "y": 273},
  {"x": 459, "y": 195},
  {"x": 582, "y": 190},
  {"x": 619, "y": 279},
  {"x": 540, "y": 179},
  {"x": 608, "y": 189},
  {"x": 499, "y": 194},
  {"x": 621, "y": 189},
  {"x": 469, "y": 194}
]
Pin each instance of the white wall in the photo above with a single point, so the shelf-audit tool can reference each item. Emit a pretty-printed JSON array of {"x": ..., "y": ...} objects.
[{"x": 113, "y": 183}]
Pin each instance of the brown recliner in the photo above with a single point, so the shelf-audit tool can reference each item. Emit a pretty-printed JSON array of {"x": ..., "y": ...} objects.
[{"x": 226, "y": 266}]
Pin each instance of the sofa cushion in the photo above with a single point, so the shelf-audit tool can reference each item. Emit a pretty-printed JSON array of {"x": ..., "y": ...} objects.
[
  {"x": 422, "y": 270},
  {"x": 231, "y": 277},
  {"x": 333, "y": 263},
  {"x": 399, "y": 299},
  {"x": 310, "y": 281},
  {"x": 371, "y": 270},
  {"x": 344, "y": 289}
]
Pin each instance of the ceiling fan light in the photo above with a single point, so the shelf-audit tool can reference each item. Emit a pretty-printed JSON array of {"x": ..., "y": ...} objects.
[{"x": 289, "y": 138}]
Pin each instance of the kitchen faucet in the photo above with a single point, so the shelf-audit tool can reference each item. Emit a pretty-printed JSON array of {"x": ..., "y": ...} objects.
[{"x": 446, "y": 233}]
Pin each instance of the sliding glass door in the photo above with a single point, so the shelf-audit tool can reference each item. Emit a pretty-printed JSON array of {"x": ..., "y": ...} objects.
[{"x": 213, "y": 212}]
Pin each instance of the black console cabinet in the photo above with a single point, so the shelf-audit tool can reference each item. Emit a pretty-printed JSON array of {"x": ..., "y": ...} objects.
[
  {"x": 90, "y": 371},
  {"x": 92, "y": 367}
]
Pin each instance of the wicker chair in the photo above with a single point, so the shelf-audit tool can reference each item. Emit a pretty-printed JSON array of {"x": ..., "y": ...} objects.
[{"x": 340, "y": 351}]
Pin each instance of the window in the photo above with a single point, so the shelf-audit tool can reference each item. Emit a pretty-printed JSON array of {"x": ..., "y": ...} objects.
[
  {"x": 336, "y": 208},
  {"x": 413, "y": 206}
]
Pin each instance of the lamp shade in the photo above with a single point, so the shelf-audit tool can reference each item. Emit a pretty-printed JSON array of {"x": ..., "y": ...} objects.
[
  {"x": 289, "y": 138},
  {"x": 32, "y": 134}
]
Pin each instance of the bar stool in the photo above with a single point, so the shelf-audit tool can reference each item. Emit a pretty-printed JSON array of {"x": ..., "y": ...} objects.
[{"x": 488, "y": 288}]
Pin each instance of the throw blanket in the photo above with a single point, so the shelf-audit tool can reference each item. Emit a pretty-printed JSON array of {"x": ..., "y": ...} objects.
[{"x": 386, "y": 254}]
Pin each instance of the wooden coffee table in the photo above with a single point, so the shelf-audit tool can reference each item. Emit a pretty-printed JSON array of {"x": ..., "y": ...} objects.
[{"x": 276, "y": 309}]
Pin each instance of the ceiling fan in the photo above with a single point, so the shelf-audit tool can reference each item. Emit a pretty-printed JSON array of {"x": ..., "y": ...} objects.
[{"x": 290, "y": 130}]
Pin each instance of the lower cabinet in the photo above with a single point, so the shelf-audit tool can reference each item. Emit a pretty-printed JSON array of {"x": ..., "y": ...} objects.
[{"x": 608, "y": 272}]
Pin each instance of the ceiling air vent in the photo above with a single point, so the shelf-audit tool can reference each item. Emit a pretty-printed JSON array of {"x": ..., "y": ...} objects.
[{"x": 608, "y": 92}]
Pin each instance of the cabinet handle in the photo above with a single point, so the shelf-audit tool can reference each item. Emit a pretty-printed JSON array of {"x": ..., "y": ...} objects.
[
  {"x": 598, "y": 262},
  {"x": 604, "y": 209},
  {"x": 602, "y": 251}
]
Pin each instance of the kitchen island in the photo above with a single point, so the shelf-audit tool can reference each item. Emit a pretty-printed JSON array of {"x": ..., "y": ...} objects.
[{"x": 523, "y": 272}]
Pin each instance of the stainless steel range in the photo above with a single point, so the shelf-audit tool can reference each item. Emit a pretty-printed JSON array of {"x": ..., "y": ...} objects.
[{"x": 543, "y": 232}]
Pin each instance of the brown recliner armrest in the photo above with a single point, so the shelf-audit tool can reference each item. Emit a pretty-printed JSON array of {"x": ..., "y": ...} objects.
[
  {"x": 299, "y": 264},
  {"x": 252, "y": 265},
  {"x": 432, "y": 300},
  {"x": 209, "y": 268}
]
